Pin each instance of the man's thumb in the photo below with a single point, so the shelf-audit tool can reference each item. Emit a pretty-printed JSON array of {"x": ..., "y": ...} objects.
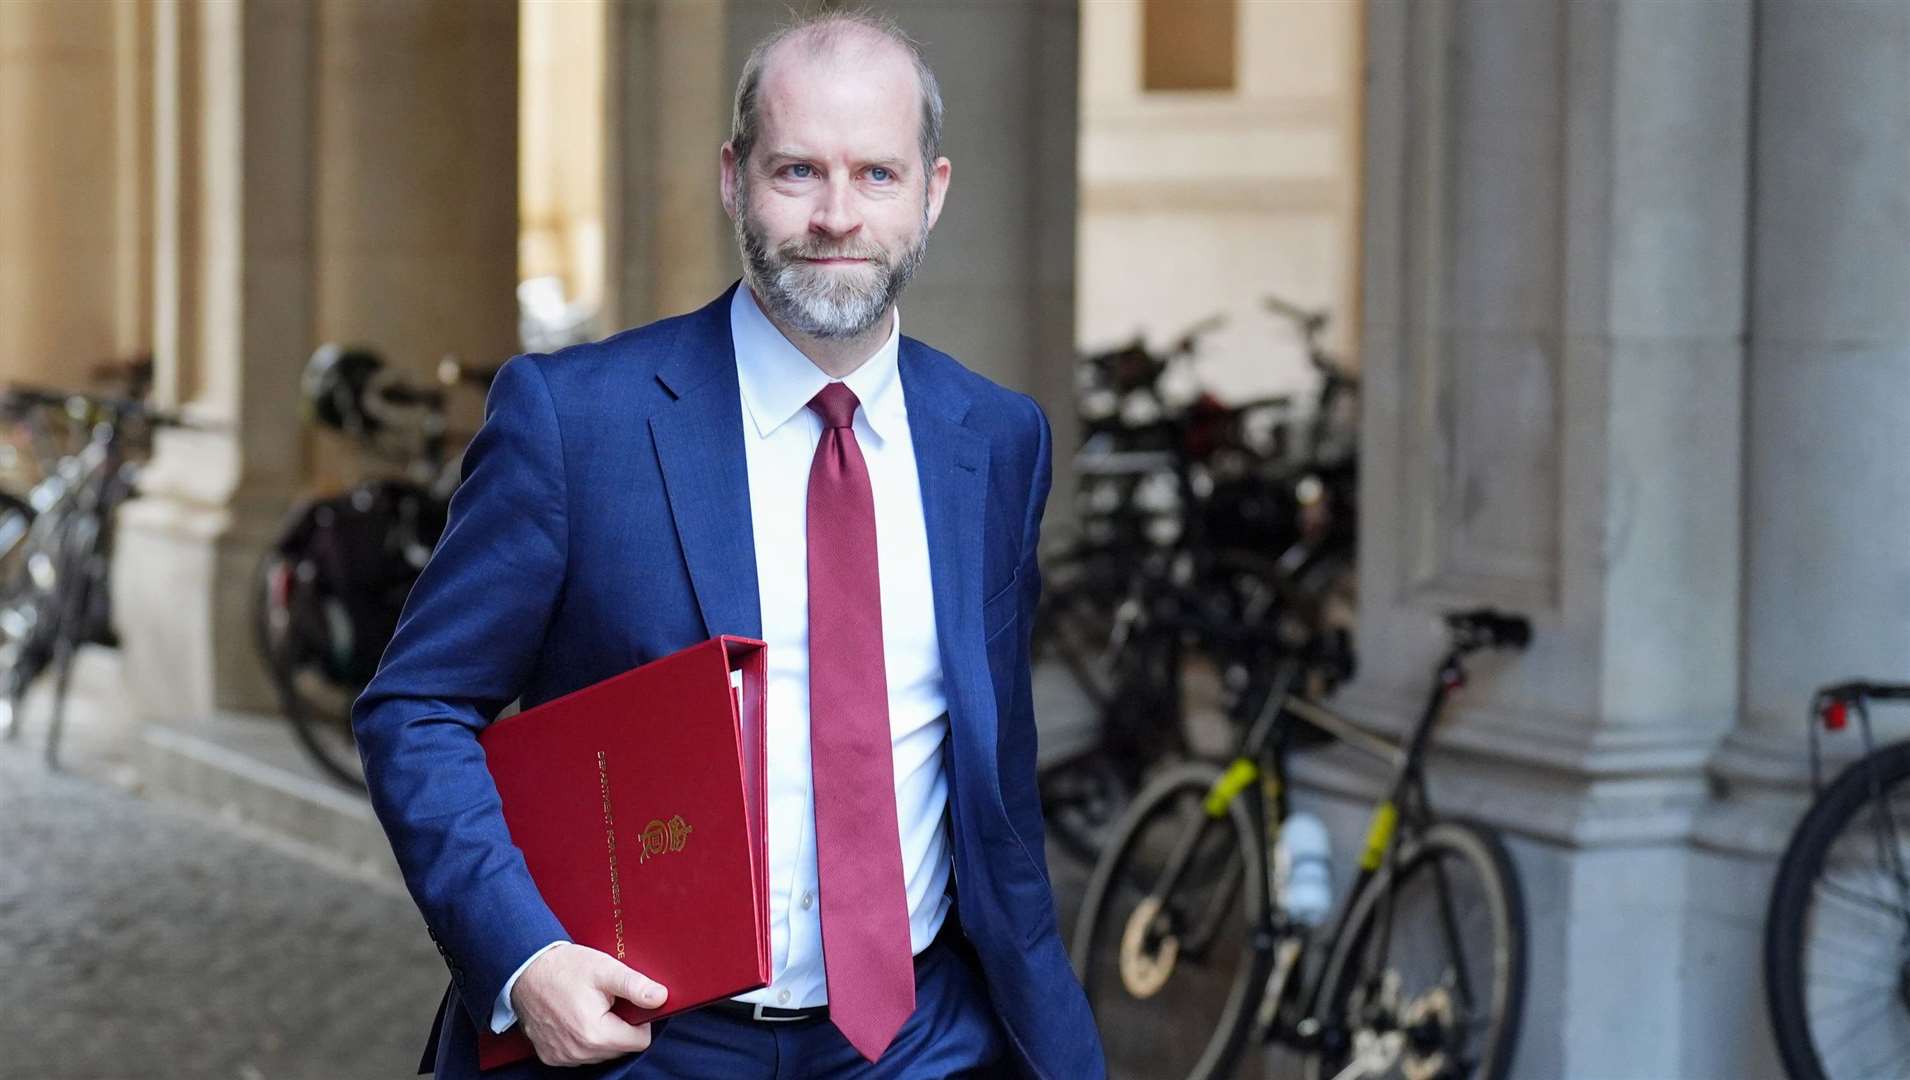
[{"x": 617, "y": 979}]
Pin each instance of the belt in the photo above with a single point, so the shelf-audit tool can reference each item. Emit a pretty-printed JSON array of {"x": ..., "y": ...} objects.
[{"x": 750, "y": 1012}]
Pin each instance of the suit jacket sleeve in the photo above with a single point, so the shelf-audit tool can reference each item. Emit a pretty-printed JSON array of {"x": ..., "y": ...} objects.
[{"x": 469, "y": 636}]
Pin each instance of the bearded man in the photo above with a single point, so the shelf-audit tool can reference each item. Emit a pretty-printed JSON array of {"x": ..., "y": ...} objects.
[{"x": 782, "y": 465}]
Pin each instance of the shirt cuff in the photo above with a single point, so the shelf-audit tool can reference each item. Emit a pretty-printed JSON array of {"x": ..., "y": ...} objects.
[{"x": 502, "y": 1014}]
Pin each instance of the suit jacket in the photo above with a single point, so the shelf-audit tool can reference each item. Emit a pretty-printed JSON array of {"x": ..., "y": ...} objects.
[{"x": 604, "y": 521}]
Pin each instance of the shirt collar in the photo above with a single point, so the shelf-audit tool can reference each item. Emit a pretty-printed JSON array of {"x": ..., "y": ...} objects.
[{"x": 778, "y": 381}]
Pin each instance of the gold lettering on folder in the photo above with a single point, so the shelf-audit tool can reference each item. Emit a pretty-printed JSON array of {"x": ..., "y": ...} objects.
[{"x": 610, "y": 844}]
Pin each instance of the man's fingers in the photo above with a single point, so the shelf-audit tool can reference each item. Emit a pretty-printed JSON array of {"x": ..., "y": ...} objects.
[{"x": 614, "y": 1036}]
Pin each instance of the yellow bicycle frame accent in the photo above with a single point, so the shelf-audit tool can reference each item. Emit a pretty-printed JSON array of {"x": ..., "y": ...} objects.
[
  {"x": 1379, "y": 835},
  {"x": 1231, "y": 783}
]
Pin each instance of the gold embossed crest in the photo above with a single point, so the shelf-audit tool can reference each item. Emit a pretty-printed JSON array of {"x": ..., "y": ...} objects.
[{"x": 664, "y": 836}]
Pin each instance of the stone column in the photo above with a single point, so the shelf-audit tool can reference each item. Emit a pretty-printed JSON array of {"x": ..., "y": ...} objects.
[
  {"x": 233, "y": 284},
  {"x": 1554, "y": 270},
  {"x": 1826, "y": 449},
  {"x": 72, "y": 219},
  {"x": 667, "y": 244},
  {"x": 416, "y": 157},
  {"x": 1827, "y": 495}
]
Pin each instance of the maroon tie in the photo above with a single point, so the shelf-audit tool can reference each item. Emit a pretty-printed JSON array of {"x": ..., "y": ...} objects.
[{"x": 865, "y": 917}]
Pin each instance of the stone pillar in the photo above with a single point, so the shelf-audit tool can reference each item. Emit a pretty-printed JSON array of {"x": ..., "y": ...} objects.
[
  {"x": 233, "y": 284},
  {"x": 1554, "y": 267},
  {"x": 1827, "y": 495},
  {"x": 668, "y": 244},
  {"x": 1827, "y": 488},
  {"x": 338, "y": 171},
  {"x": 997, "y": 287},
  {"x": 416, "y": 158},
  {"x": 73, "y": 105}
]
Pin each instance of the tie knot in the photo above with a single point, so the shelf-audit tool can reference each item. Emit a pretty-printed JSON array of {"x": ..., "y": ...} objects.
[{"x": 836, "y": 404}]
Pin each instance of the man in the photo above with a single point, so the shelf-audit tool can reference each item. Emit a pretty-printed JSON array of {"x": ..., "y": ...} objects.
[{"x": 781, "y": 464}]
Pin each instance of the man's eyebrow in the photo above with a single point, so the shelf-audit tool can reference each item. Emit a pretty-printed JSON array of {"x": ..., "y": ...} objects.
[{"x": 790, "y": 153}]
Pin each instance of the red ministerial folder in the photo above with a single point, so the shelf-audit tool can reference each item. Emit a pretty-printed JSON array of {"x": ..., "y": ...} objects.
[{"x": 638, "y": 805}]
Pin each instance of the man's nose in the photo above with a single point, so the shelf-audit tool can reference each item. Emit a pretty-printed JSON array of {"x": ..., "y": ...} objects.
[{"x": 836, "y": 215}]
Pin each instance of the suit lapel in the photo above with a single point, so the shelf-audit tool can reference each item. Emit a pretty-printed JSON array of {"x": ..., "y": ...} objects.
[
  {"x": 699, "y": 441},
  {"x": 951, "y": 463}
]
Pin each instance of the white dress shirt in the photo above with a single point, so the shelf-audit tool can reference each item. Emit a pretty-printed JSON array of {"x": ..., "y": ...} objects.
[{"x": 780, "y": 434}]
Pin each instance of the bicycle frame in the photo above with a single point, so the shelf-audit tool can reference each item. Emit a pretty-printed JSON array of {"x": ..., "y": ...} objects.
[{"x": 1404, "y": 807}]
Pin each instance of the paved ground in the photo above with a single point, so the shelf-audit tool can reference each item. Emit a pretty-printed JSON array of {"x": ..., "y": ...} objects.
[{"x": 142, "y": 941}]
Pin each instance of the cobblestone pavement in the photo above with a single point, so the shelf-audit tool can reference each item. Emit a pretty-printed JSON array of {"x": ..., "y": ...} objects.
[
  {"x": 139, "y": 941},
  {"x": 143, "y": 942}
]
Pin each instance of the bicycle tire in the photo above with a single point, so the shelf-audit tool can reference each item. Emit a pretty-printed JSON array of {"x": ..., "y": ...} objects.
[
  {"x": 16, "y": 529},
  {"x": 1504, "y": 902},
  {"x": 305, "y": 725},
  {"x": 1081, "y": 801},
  {"x": 279, "y": 649},
  {"x": 1122, "y": 693},
  {"x": 1788, "y": 926},
  {"x": 1112, "y": 885}
]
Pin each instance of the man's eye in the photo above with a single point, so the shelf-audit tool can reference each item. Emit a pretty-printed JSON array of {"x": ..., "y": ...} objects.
[
  {"x": 881, "y": 175},
  {"x": 799, "y": 172}
]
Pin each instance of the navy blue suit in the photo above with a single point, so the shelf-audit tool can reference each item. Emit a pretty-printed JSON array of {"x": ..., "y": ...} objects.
[{"x": 604, "y": 521}]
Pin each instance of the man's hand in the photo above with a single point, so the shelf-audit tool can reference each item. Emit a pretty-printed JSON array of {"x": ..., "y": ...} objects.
[{"x": 563, "y": 1001}]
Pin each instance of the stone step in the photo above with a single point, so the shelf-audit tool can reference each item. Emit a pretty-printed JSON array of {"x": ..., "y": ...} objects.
[
  {"x": 232, "y": 765},
  {"x": 246, "y": 769}
]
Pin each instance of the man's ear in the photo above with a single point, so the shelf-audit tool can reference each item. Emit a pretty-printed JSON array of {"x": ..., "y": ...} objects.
[
  {"x": 726, "y": 179},
  {"x": 937, "y": 189}
]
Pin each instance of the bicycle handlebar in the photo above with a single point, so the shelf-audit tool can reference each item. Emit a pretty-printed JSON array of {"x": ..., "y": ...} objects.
[
  {"x": 397, "y": 393},
  {"x": 1487, "y": 628},
  {"x": 1311, "y": 322},
  {"x": 454, "y": 372},
  {"x": 1191, "y": 337},
  {"x": 18, "y": 396}
]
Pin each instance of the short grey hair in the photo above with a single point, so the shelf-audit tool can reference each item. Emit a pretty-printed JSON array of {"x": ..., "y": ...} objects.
[{"x": 823, "y": 32}]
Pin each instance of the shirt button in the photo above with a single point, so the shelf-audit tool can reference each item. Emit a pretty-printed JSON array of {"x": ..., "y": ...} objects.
[
  {"x": 782, "y": 998},
  {"x": 808, "y": 900}
]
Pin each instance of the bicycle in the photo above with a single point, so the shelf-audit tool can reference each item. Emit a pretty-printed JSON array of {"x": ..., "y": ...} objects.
[
  {"x": 1186, "y": 899},
  {"x": 327, "y": 593},
  {"x": 56, "y": 595},
  {"x": 1202, "y": 538},
  {"x": 1837, "y": 938}
]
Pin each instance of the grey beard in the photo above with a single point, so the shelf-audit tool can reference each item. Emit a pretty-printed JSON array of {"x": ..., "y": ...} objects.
[{"x": 813, "y": 305}]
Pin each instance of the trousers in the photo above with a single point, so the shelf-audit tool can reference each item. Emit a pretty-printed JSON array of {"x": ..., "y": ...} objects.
[{"x": 953, "y": 1032}]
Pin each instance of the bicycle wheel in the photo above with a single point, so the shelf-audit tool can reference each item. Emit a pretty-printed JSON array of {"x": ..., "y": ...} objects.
[
  {"x": 1171, "y": 932},
  {"x": 1115, "y": 699},
  {"x": 16, "y": 525},
  {"x": 286, "y": 628},
  {"x": 1837, "y": 941},
  {"x": 1434, "y": 987},
  {"x": 1082, "y": 799}
]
